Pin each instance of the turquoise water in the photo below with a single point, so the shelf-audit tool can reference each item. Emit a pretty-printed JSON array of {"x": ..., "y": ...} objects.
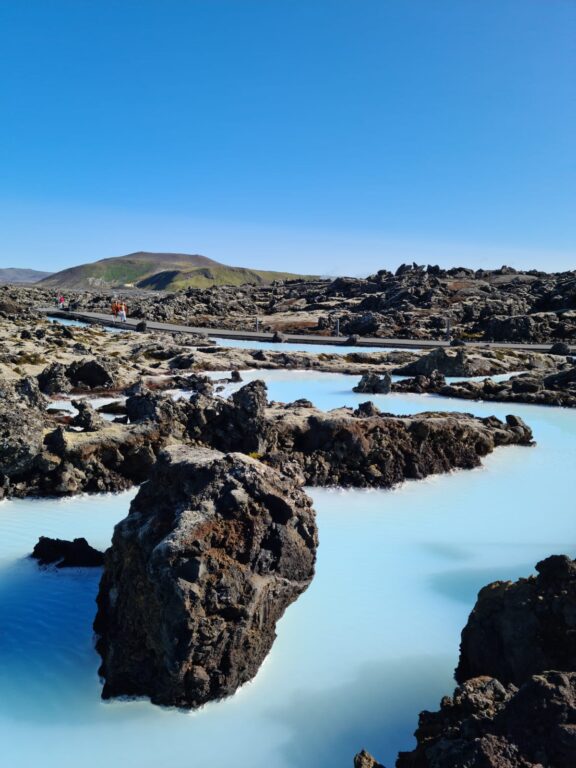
[{"x": 371, "y": 643}]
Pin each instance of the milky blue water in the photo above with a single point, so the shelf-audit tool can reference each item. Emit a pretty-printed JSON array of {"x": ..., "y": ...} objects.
[
  {"x": 315, "y": 349},
  {"x": 371, "y": 643}
]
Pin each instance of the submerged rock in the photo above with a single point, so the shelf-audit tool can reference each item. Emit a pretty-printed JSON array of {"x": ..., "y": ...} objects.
[
  {"x": 67, "y": 554},
  {"x": 213, "y": 551}
]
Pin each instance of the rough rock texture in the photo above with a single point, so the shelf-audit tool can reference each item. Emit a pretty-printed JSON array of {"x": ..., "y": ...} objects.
[
  {"x": 67, "y": 554},
  {"x": 522, "y": 628},
  {"x": 21, "y": 425},
  {"x": 485, "y": 725},
  {"x": 374, "y": 383},
  {"x": 534, "y": 388},
  {"x": 516, "y": 705},
  {"x": 86, "y": 418},
  {"x": 365, "y": 760},
  {"x": 214, "y": 549}
]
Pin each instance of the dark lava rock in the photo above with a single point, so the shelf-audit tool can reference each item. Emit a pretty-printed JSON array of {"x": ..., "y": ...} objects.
[
  {"x": 67, "y": 554},
  {"x": 457, "y": 343},
  {"x": 522, "y": 628},
  {"x": 54, "y": 379},
  {"x": 142, "y": 326},
  {"x": 560, "y": 348},
  {"x": 374, "y": 384},
  {"x": 365, "y": 760},
  {"x": 439, "y": 359},
  {"x": 213, "y": 551},
  {"x": 278, "y": 338},
  {"x": 487, "y": 725},
  {"x": 86, "y": 418},
  {"x": 90, "y": 373},
  {"x": 21, "y": 428}
]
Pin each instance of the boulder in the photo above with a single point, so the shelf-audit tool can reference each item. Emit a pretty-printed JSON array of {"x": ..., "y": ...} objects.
[
  {"x": 54, "y": 379},
  {"x": 86, "y": 418},
  {"x": 67, "y": 554},
  {"x": 213, "y": 551},
  {"x": 90, "y": 373},
  {"x": 374, "y": 384},
  {"x": 560, "y": 348}
]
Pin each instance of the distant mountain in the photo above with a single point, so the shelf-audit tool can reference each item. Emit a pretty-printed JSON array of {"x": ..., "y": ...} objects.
[
  {"x": 15, "y": 275},
  {"x": 159, "y": 271}
]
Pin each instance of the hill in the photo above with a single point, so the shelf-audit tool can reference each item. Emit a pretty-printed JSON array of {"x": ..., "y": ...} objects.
[
  {"x": 159, "y": 271},
  {"x": 15, "y": 275}
]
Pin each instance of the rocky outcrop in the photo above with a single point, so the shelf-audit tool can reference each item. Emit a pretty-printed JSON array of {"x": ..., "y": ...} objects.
[
  {"x": 67, "y": 554},
  {"x": 534, "y": 388},
  {"x": 488, "y": 725},
  {"x": 366, "y": 449},
  {"x": 365, "y": 760},
  {"x": 21, "y": 429},
  {"x": 86, "y": 418},
  {"x": 213, "y": 551},
  {"x": 374, "y": 384},
  {"x": 522, "y": 628},
  {"x": 516, "y": 703}
]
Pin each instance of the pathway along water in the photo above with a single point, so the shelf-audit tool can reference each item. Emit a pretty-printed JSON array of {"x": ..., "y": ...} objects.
[
  {"x": 372, "y": 642},
  {"x": 365, "y": 342}
]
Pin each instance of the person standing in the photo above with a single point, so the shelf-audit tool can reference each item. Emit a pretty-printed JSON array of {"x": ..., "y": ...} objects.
[{"x": 122, "y": 312}]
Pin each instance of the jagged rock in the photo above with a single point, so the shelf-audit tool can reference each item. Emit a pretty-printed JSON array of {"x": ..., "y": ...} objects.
[
  {"x": 485, "y": 725},
  {"x": 142, "y": 326},
  {"x": 90, "y": 373},
  {"x": 522, "y": 628},
  {"x": 374, "y": 384},
  {"x": 441, "y": 360},
  {"x": 54, "y": 380},
  {"x": 86, "y": 418},
  {"x": 278, "y": 338},
  {"x": 214, "y": 549},
  {"x": 365, "y": 760},
  {"x": 67, "y": 554},
  {"x": 21, "y": 429}
]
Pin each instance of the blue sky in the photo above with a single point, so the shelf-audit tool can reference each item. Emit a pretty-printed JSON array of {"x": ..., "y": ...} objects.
[{"x": 330, "y": 136}]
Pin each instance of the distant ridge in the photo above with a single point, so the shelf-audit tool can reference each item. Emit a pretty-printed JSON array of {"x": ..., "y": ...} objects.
[
  {"x": 15, "y": 275},
  {"x": 159, "y": 271}
]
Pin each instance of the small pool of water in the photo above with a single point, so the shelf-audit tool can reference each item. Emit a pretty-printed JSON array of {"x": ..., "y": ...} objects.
[{"x": 315, "y": 349}]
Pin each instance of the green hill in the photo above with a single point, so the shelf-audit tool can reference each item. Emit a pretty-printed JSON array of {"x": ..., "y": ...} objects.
[{"x": 159, "y": 271}]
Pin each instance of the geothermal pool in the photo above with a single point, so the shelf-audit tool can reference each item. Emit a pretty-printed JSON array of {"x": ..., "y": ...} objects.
[{"x": 372, "y": 642}]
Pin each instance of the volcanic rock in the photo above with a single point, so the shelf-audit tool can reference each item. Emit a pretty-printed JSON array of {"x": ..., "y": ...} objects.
[
  {"x": 67, "y": 554},
  {"x": 487, "y": 725},
  {"x": 213, "y": 551},
  {"x": 374, "y": 384},
  {"x": 522, "y": 628}
]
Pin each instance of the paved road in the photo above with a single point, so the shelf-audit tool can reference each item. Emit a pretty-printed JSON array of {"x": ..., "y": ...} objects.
[{"x": 295, "y": 338}]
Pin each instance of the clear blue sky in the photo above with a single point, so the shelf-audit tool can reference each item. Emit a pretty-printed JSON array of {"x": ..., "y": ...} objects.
[{"x": 332, "y": 136}]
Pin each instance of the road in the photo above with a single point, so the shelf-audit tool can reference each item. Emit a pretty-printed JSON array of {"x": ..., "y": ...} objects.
[{"x": 294, "y": 338}]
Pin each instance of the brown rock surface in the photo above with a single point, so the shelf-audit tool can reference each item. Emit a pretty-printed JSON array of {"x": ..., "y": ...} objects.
[{"x": 213, "y": 551}]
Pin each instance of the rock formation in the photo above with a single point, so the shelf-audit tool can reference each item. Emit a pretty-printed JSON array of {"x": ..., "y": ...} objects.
[
  {"x": 67, "y": 554},
  {"x": 516, "y": 703},
  {"x": 374, "y": 384},
  {"x": 522, "y": 628},
  {"x": 487, "y": 725},
  {"x": 213, "y": 551}
]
